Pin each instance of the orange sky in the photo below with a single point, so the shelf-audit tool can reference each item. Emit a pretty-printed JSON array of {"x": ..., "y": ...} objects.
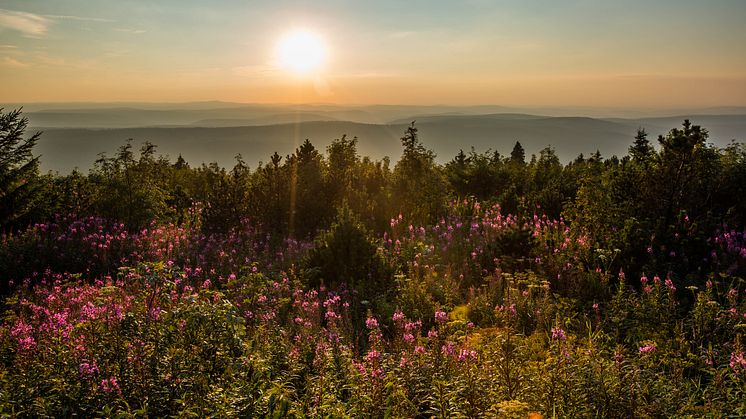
[{"x": 532, "y": 53}]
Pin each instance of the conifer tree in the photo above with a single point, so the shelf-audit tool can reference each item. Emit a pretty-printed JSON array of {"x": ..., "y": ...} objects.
[{"x": 19, "y": 169}]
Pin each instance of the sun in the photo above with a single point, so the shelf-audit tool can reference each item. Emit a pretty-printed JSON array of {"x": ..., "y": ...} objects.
[{"x": 301, "y": 52}]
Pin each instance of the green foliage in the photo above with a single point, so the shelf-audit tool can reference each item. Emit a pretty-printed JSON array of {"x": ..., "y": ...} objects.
[
  {"x": 19, "y": 170},
  {"x": 418, "y": 186},
  {"x": 518, "y": 155},
  {"x": 309, "y": 203},
  {"x": 225, "y": 194},
  {"x": 346, "y": 255},
  {"x": 131, "y": 190},
  {"x": 345, "y": 258},
  {"x": 600, "y": 288}
]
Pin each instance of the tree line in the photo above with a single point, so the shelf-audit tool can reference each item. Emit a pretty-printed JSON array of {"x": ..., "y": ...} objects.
[{"x": 643, "y": 200}]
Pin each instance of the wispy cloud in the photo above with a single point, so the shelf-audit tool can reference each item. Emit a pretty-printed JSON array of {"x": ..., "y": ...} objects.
[
  {"x": 34, "y": 25},
  {"x": 28, "y": 24},
  {"x": 81, "y": 18},
  {"x": 132, "y": 31},
  {"x": 12, "y": 62}
]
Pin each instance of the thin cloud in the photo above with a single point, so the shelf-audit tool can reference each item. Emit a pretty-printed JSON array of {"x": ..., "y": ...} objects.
[
  {"x": 132, "y": 31},
  {"x": 80, "y": 18},
  {"x": 12, "y": 62},
  {"x": 28, "y": 24}
]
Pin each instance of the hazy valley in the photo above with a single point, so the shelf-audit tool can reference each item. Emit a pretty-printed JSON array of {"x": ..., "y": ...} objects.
[{"x": 75, "y": 134}]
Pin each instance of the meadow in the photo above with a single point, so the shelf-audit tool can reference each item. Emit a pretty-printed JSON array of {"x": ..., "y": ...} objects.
[{"x": 331, "y": 285}]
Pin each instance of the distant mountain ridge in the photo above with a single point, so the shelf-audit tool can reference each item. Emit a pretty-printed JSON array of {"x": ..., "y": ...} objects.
[
  {"x": 75, "y": 133},
  {"x": 63, "y": 149}
]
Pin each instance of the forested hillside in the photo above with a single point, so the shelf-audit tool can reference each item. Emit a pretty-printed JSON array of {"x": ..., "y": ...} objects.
[{"x": 327, "y": 283}]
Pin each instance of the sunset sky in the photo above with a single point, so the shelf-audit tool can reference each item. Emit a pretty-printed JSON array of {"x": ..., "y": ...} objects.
[{"x": 508, "y": 52}]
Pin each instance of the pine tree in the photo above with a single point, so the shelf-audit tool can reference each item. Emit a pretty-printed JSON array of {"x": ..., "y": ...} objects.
[
  {"x": 518, "y": 155},
  {"x": 641, "y": 150},
  {"x": 19, "y": 169}
]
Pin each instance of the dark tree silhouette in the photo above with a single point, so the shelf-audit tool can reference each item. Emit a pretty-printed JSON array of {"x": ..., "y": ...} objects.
[{"x": 19, "y": 169}]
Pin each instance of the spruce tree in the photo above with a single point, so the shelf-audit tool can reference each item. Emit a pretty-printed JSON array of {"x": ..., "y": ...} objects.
[{"x": 19, "y": 169}]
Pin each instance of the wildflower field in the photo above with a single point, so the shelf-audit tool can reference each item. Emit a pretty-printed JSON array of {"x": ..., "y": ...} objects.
[{"x": 487, "y": 287}]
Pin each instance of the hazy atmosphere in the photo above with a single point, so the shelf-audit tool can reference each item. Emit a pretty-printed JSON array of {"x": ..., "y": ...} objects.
[
  {"x": 637, "y": 53},
  {"x": 373, "y": 209}
]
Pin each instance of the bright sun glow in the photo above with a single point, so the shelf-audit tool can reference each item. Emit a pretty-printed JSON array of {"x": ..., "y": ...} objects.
[{"x": 301, "y": 52}]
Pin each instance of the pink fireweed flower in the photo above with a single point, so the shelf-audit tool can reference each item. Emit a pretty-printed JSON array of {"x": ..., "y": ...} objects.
[
  {"x": 650, "y": 348},
  {"x": 408, "y": 337},
  {"x": 412, "y": 326},
  {"x": 333, "y": 300},
  {"x": 558, "y": 333},
  {"x": 110, "y": 385},
  {"x": 377, "y": 373},
  {"x": 331, "y": 315},
  {"x": 448, "y": 348},
  {"x": 21, "y": 330},
  {"x": 155, "y": 313},
  {"x": 360, "y": 367},
  {"x": 58, "y": 324},
  {"x": 26, "y": 344},
  {"x": 467, "y": 355},
  {"x": 737, "y": 363},
  {"x": 371, "y": 323},
  {"x": 419, "y": 350},
  {"x": 398, "y": 317},
  {"x": 88, "y": 369},
  {"x": 669, "y": 284},
  {"x": 441, "y": 316},
  {"x": 373, "y": 356},
  {"x": 432, "y": 334},
  {"x": 510, "y": 310}
]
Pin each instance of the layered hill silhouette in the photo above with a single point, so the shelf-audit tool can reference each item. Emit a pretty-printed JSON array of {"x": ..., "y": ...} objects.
[{"x": 206, "y": 132}]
